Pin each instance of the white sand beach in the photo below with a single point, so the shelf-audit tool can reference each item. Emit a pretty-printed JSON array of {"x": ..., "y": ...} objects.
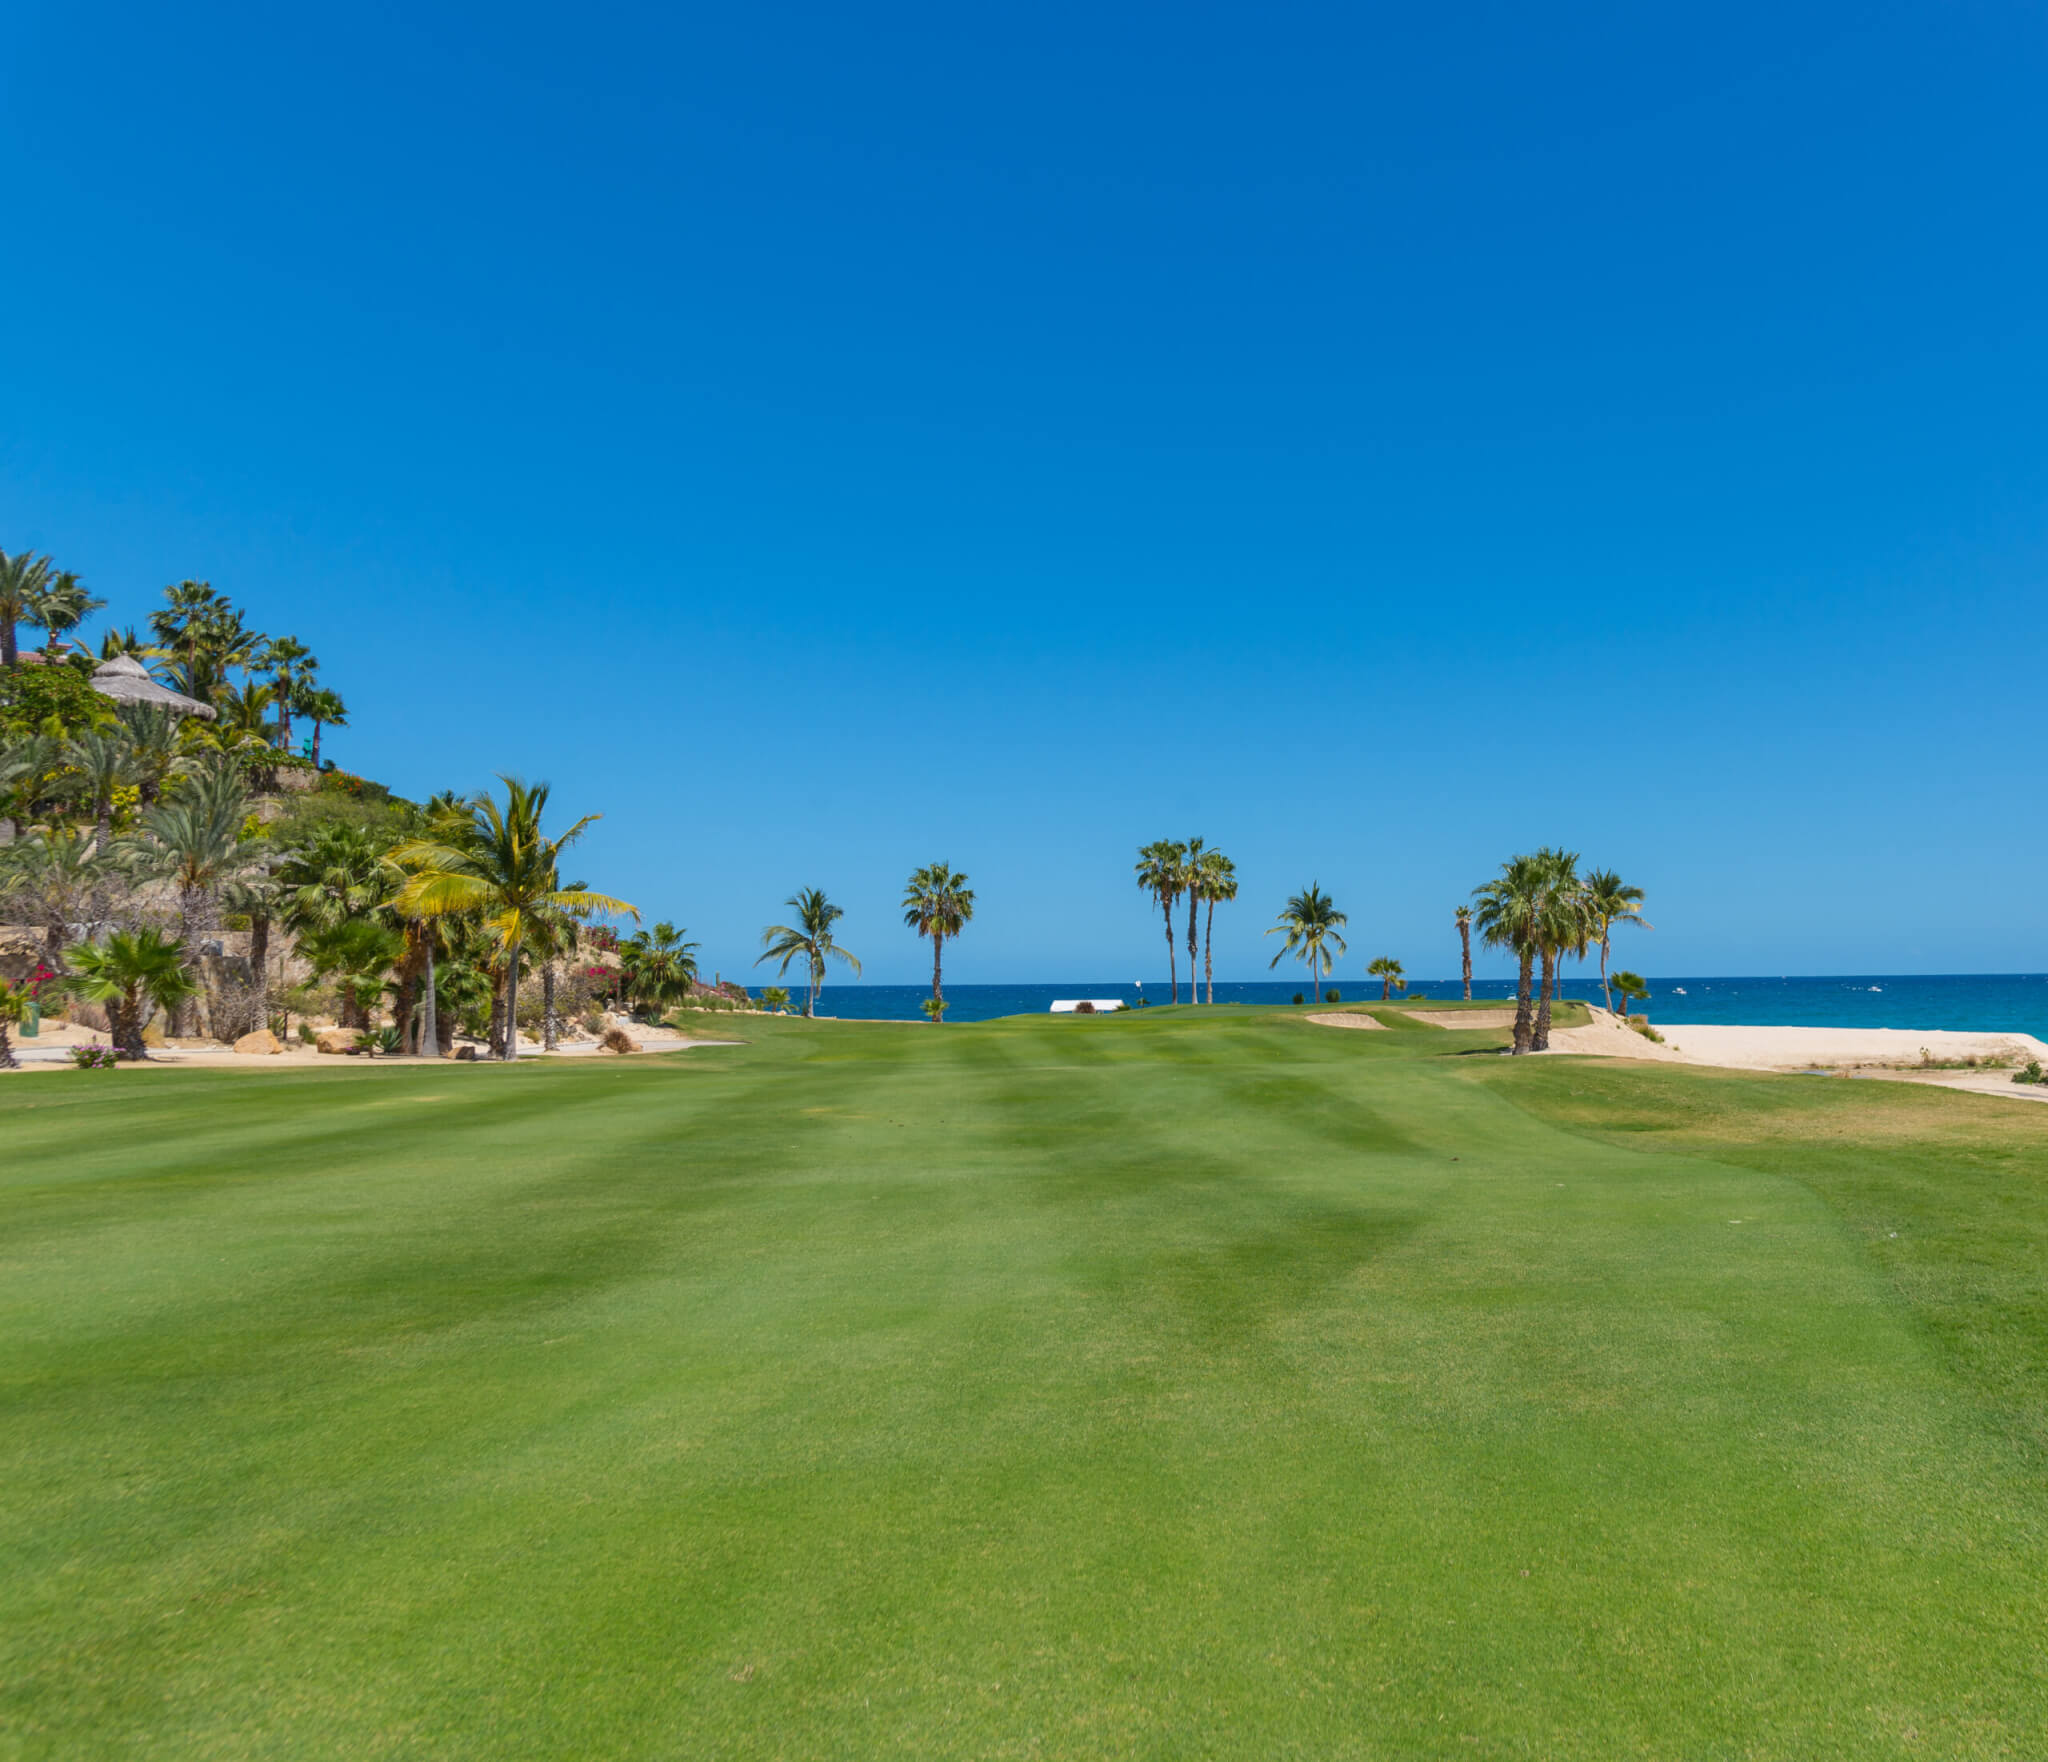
[{"x": 1865, "y": 1052}]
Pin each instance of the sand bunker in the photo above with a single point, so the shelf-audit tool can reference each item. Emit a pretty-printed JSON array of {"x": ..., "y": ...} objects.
[{"x": 1347, "y": 1021}]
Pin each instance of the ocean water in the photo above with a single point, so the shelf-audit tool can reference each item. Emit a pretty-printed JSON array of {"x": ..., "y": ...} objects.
[{"x": 2009, "y": 1002}]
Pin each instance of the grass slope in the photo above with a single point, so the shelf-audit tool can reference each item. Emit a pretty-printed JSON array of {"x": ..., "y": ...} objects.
[{"x": 1180, "y": 1384}]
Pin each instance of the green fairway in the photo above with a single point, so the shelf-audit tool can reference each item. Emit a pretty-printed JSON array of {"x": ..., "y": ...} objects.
[{"x": 1174, "y": 1384}]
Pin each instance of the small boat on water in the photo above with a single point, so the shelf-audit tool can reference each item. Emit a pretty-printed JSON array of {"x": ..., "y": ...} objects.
[{"x": 1678, "y": 991}]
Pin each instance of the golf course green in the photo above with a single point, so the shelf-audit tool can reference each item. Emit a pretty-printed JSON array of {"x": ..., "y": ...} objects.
[{"x": 1191, "y": 1383}]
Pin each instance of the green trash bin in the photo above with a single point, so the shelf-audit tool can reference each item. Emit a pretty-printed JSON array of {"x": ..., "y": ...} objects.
[{"x": 32, "y": 1021}]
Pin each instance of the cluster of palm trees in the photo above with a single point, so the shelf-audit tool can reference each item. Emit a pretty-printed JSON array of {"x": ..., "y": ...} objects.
[
  {"x": 431, "y": 913},
  {"x": 1542, "y": 910},
  {"x": 1171, "y": 871},
  {"x": 200, "y": 645},
  {"x": 937, "y": 904}
]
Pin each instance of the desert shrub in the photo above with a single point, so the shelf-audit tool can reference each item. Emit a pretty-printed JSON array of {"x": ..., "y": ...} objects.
[
  {"x": 618, "y": 1040},
  {"x": 593, "y": 1021},
  {"x": 1333, "y": 995},
  {"x": 1084, "y": 1008},
  {"x": 306, "y": 1035},
  {"x": 93, "y": 1057},
  {"x": 2031, "y": 1072},
  {"x": 1641, "y": 1024},
  {"x": 1298, "y": 998}
]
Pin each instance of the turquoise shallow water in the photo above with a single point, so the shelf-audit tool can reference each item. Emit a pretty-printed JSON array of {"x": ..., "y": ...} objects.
[{"x": 2014, "y": 1002}]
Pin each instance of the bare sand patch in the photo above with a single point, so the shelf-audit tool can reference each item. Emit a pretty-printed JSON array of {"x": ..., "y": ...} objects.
[{"x": 1463, "y": 1018}]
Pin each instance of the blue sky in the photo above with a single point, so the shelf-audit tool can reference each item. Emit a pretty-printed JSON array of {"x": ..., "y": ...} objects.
[{"x": 830, "y": 439}]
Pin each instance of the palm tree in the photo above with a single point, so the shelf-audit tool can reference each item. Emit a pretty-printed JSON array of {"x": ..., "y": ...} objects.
[
  {"x": 1563, "y": 926},
  {"x": 1612, "y": 901},
  {"x": 1162, "y": 872},
  {"x": 61, "y": 604},
  {"x": 129, "y": 971},
  {"x": 324, "y": 709},
  {"x": 359, "y": 951},
  {"x": 811, "y": 937},
  {"x": 1506, "y": 918},
  {"x": 1311, "y": 923},
  {"x": 199, "y": 841},
  {"x": 101, "y": 763},
  {"x": 58, "y": 880},
  {"x": 1389, "y": 973},
  {"x": 1216, "y": 880},
  {"x": 774, "y": 997},
  {"x": 291, "y": 664},
  {"x": 937, "y": 902},
  {"x": 178, "y": 625},
  {"x": 1465, "y": 944},
  {"x": 1631, "y": 986},
  {"x": 152, "y": 735},
  {"x": 22, "y": 577},
  {"x": 1190, "y": 873},
  {"x": 658, "y": 966},
  {"x": 506, "y": 870}
]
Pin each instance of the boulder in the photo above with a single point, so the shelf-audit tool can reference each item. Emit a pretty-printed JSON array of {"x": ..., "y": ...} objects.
[
  {"x": 618, "y": 1040},
  {"x": 262, "y": 1041},
  {"x": 335, "y": 1040}
]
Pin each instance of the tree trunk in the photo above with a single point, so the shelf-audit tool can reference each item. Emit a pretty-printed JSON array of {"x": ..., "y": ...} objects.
[
  {"x": 8, "y": 1062},
  {"x": 124, "y": 1024},
  {"x": 1172, "y": 971},
  {"x": 259, "y": 965},
  {"x": 1209, "y": 951},
  {"x": 938, "y": 996},
  {"x": 1386, "y": 986},
  {"x": 1551, "y": 975},
  {"x": 1194, "y": 996},
  {"x": 316, "y": 743},
  {"x": 1465, "y": 937},
  {"x": 9, "y": 655},
  {"x": 547, "y": 1006},
  {"x": 512, "y": 1005},
  {"x": 1606, "y": 991},
  {"x": 1522, "y": 1002},
  {"x": 430, "y": 1026}
]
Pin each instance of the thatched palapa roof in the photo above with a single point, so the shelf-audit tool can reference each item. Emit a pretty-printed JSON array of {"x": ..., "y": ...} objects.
[{"x": 127, "y": 680}]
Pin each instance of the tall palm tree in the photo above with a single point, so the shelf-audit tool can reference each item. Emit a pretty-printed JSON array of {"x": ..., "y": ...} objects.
[
  {"x": 1216, "y": 880},
  {"x": 129, "y": 971},
  {"x": 1388, "y": 972},
  {"x": 507, "y": 871},
  {"x": 177, "y": 626},
  {"x": 22, "y": 577},
  {"x": 937, "y": 902},
  {"x": 60, "y": 606},
  {"x": 1311, "y": 923},
  {"x": 290, "y": 663},
  {"x": 810, "y": 937},
  {"x": 324, "y": 709},
  {"x": 1563, "y": 926},
  {"x": 1162, "y": 872},
  {"x": 1190, "y": 873},
  {"x": 1506, "y": 918},
  {"x": 1612, "y": 901},
  {"x": 1465, "y": 945}
]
